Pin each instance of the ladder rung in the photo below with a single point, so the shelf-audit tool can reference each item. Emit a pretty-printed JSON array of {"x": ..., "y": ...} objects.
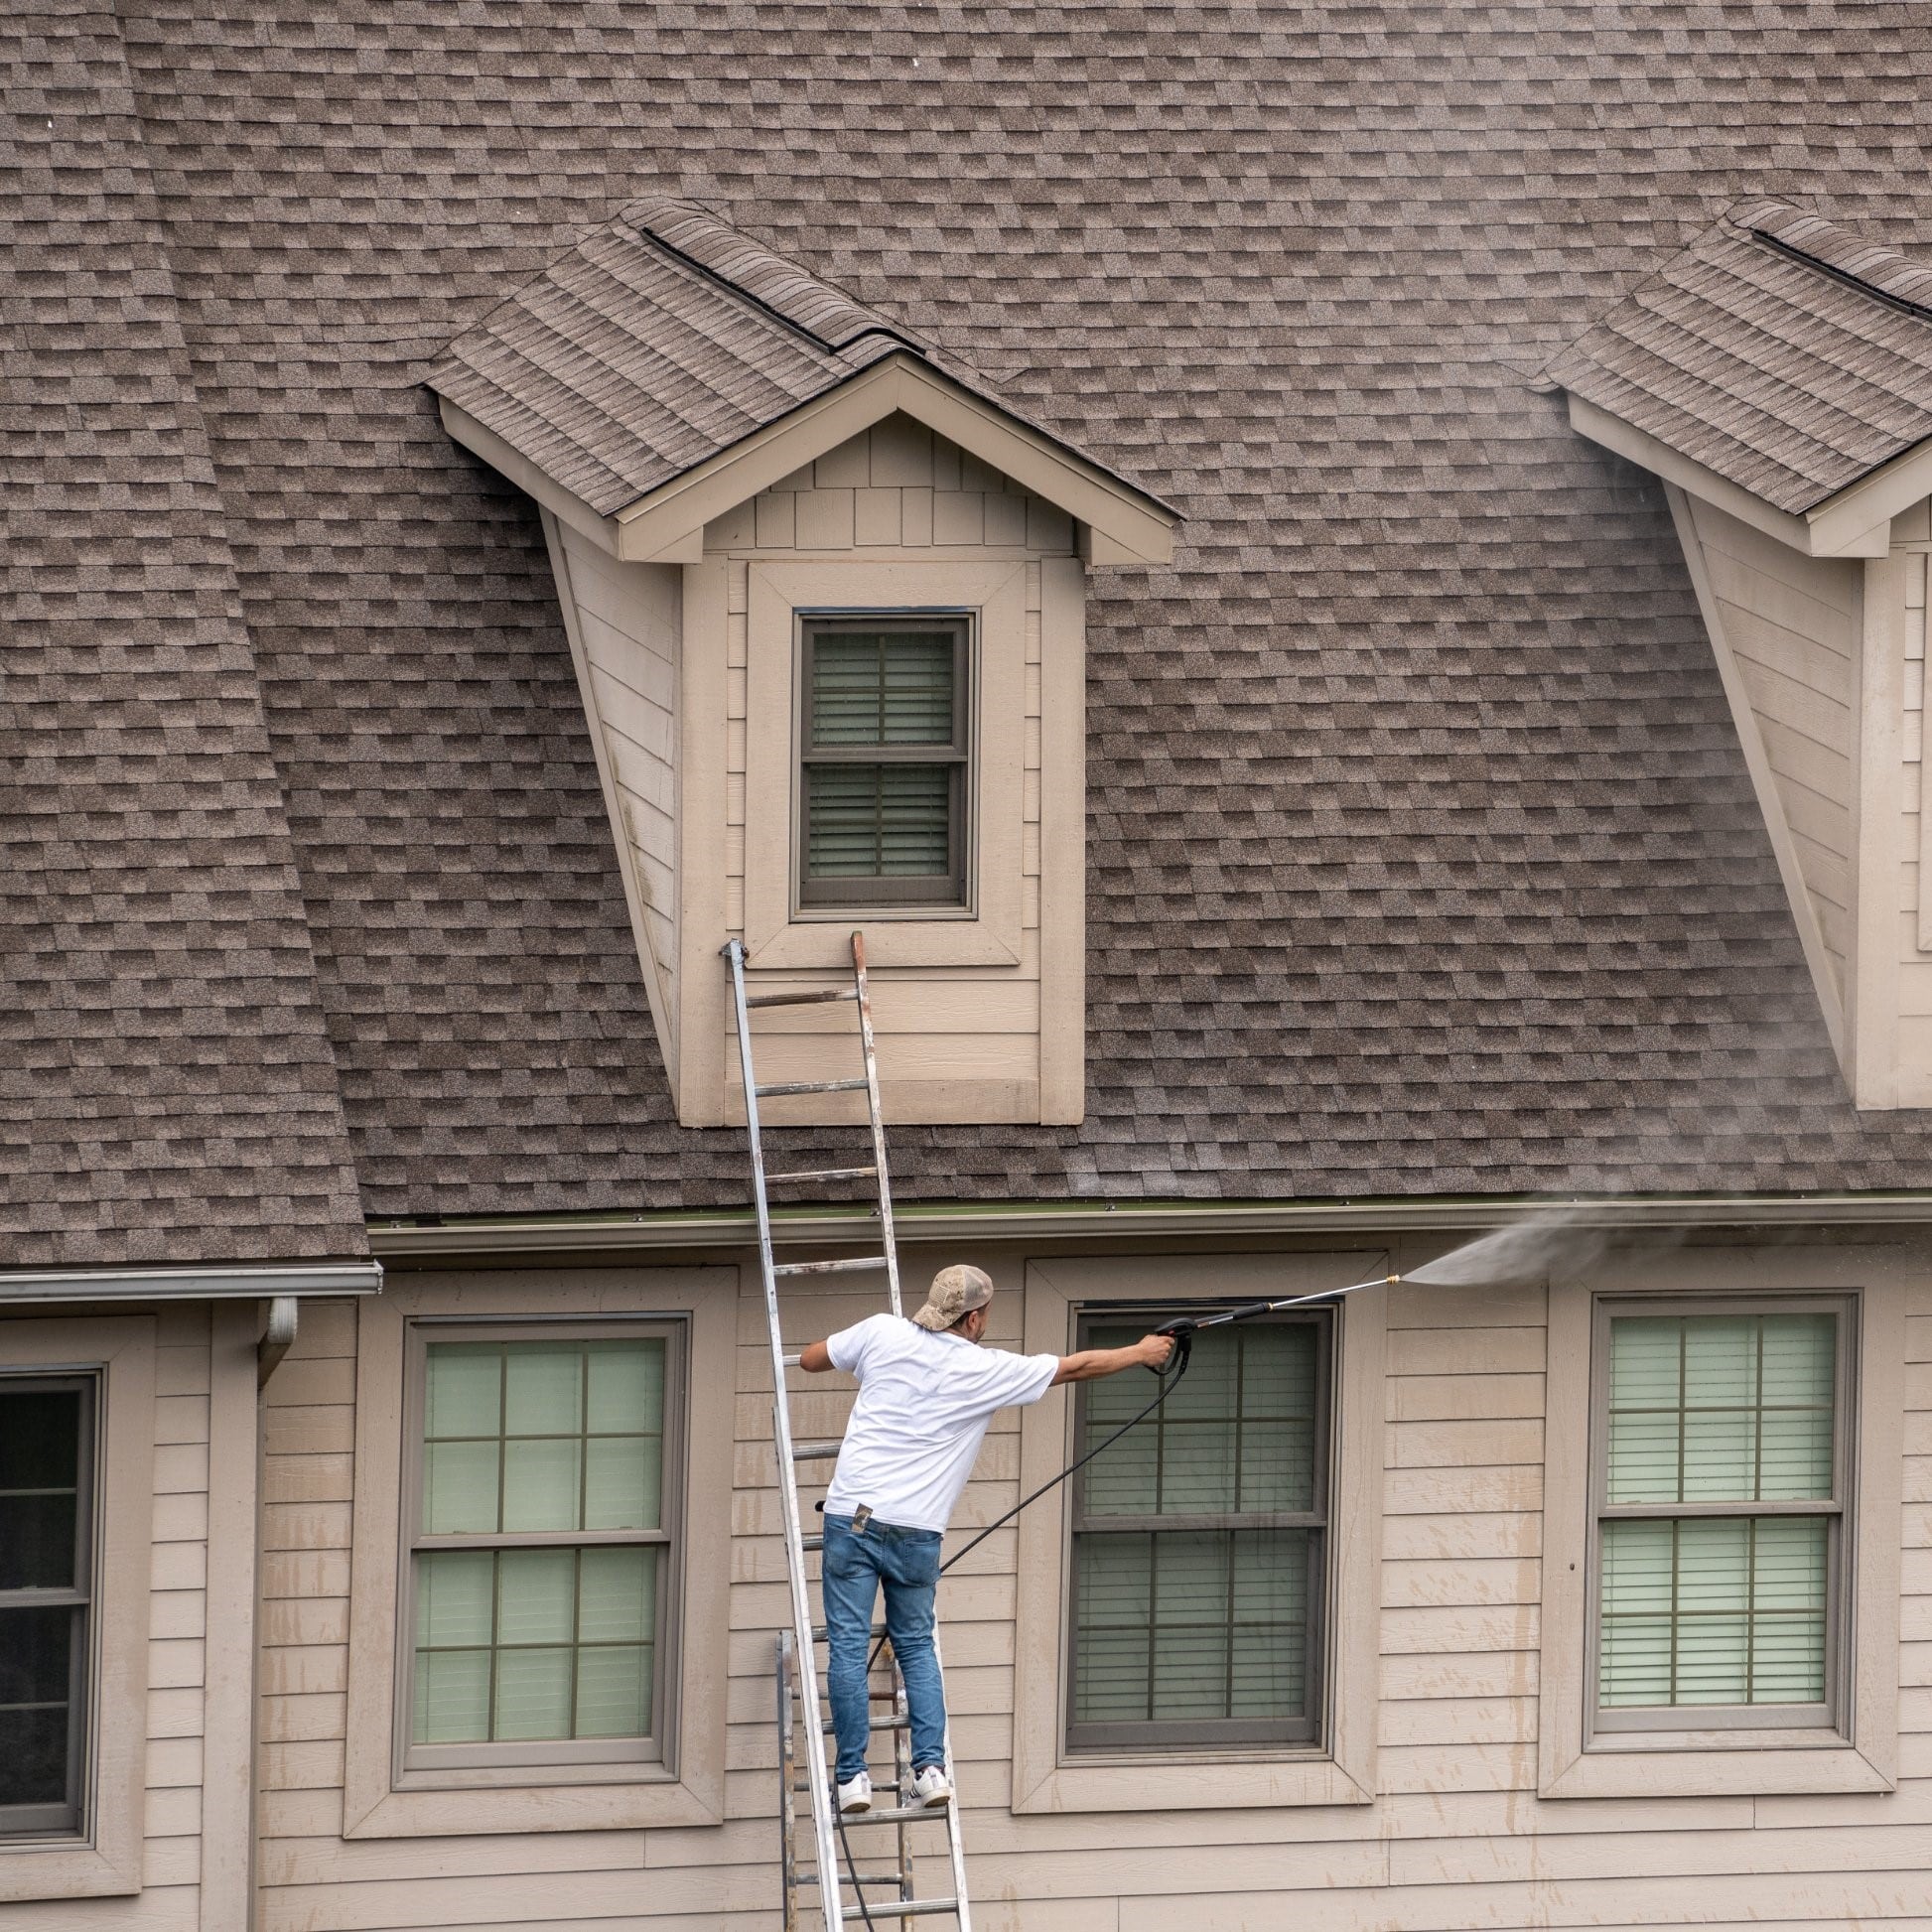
[
  {"x": 792, "y": 1362},
  {"x": 878, "y": 1723},
  {"x": 818, "y": 1631},
  {"x": 848, "y": 1265},
  {"x": 899, "y": 1815},
  {"x": 901, "y": 1908},
  {"x": 822, "y": 1174},
  {"x": 815, "y": 1541},
  {"x": 780, "y": 1088},
  {"x": 807, "y": 1874},
  {"x": 813, "y": 1452},
  {"x": 818, "y": 996}
]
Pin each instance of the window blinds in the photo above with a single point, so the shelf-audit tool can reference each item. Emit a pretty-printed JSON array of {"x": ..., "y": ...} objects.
[
  {"x": 1193, "y": 1597},
  {"x": 1714, "y": 1608},
  {"x": 883, "y": 690}
]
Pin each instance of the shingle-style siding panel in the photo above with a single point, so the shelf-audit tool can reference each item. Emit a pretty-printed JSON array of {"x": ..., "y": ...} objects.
[{"x": 624, "y": 626}]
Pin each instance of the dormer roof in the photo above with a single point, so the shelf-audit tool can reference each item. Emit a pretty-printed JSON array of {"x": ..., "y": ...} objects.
[
  {"x": 1781, "y": 355},
  {"x": 667, "y": 341}
]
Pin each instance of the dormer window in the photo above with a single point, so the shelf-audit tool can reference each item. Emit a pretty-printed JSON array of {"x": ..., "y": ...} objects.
[
  {"x": 825, "y": 593},
  {"x": 884, "y": 783}
]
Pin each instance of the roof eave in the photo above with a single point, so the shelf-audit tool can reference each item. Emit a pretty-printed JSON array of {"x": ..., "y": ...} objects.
[
  {"x": 1855, "y": 521},
  {"x": 667, "y": 524}
]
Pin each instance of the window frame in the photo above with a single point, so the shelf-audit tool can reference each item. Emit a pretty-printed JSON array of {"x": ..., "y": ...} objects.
[
  {"x": 1046, "y": 1776},
  {"x": 913, "y": 897},
  {"x": 1840, "y": 1535},
  {"x": 380, "y": 1799},
  {"x": 1161, "y": 1738},
  {"x": 68, "y": 1819},
  {"x": 1860, "y": 1754},
  {"x": 104, "y": 1858},
  {"x": 658, "y": 1746}
]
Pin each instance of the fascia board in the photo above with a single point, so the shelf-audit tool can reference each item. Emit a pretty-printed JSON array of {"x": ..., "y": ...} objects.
[
  {"x": 563, "y": 504},
  {"x": 1838, "y": 537},
  {"x": 653, "y": 526},
  {"x": 1871, "y": 503},
  {"x": 190, "y": 1284},
  {"x": 1133, "y": 1222}
]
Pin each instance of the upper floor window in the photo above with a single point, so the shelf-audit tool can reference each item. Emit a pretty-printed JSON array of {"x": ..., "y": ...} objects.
[
  {"x": 542, "y": 1546},
  {"x": 47, "y": 1527},
  {"x": 1199, "y": 1546},
  {"x": 1720, "y": 1482},
  {"x": 884, "y": 782}
]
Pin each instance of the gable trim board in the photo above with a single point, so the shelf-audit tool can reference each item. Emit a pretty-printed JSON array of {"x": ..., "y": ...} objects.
[
  {"x": 667, "y": 524},
  {"x": 677, "y": 512}
]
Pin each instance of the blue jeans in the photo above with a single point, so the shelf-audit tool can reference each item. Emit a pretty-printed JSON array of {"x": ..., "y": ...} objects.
[{"x": 906, "y": 1562}]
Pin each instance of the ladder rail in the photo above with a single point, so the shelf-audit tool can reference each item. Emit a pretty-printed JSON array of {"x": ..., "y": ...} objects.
[
  {"x": 803, "y": 1660},
  {"x": 888, "y": 1241},
  {"x": 797, "y": 1671}
]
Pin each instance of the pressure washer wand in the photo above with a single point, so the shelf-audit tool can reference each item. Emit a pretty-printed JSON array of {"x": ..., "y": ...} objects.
[{"x": 1185, "y": 1327}]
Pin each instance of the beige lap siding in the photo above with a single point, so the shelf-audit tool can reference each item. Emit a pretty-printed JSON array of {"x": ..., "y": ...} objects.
[
  {"x": 622, "y": 621},
  {"x": 957, "y": 1039},
  {"x": 1456, "y": 1836},
  {"x": 1791, "y": 626}
]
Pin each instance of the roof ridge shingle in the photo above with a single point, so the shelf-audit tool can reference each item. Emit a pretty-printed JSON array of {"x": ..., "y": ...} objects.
[
  {"x": 756, "y": 273},
  {"x": 1872, "y": 266}
]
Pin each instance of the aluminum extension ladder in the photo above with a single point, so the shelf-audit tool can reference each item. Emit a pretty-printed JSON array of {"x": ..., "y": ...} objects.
[{"x": 801, "y": 1704}]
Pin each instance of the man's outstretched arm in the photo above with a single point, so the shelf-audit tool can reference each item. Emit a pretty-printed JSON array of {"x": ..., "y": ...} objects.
[
  {"x": 814, "y": 1358},
  {"x": 1151, "y": 1351}
]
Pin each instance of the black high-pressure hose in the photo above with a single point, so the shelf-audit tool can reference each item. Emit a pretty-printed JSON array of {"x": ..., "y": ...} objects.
[{"x": 1182, "y": 1330}]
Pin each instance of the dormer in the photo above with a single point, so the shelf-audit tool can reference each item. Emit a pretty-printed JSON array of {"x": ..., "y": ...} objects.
[
  {"x": 1777, "y": 377},
  {"x": 825, "y": 593}
]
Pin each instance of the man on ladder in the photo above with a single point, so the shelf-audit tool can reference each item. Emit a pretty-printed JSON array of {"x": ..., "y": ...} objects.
[{"x": 926, "y": 1393}]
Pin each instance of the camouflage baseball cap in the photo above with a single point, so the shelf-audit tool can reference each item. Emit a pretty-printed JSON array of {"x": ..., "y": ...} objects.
[{"x": 956, "y": 1291}]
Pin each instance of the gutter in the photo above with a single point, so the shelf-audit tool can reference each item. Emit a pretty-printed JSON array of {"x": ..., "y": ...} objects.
[
  {"x": 402, "y": 1242},
  {"x": 190, "y": 1284}
]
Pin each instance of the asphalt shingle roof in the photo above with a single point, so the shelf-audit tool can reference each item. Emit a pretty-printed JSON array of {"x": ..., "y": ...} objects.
[
  {"x": 167, "y": 1088},
  {"x": 1778, "y": 349},
  {"x": 1423, "y": 857},
  {"x": 658, "y": 342}
]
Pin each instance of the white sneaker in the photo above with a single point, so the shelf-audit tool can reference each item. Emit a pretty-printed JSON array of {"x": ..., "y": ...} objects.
[
  {"x": 930, "y": 1789},
  {"x": 855, "y": 1794}
]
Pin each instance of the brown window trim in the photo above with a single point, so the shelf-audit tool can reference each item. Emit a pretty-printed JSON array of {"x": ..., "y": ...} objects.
[
  {"x": 1827, "y": 1716},
  {"x": 66, "y": 1819},
  {"x": 949, "y": 892},
  {"x": 659, "y": 1746},
  {"x": 1154, "y": 1735}
]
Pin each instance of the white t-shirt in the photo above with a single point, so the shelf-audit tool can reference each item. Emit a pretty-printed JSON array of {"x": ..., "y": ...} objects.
[{"x": 925, "y": 1401}]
